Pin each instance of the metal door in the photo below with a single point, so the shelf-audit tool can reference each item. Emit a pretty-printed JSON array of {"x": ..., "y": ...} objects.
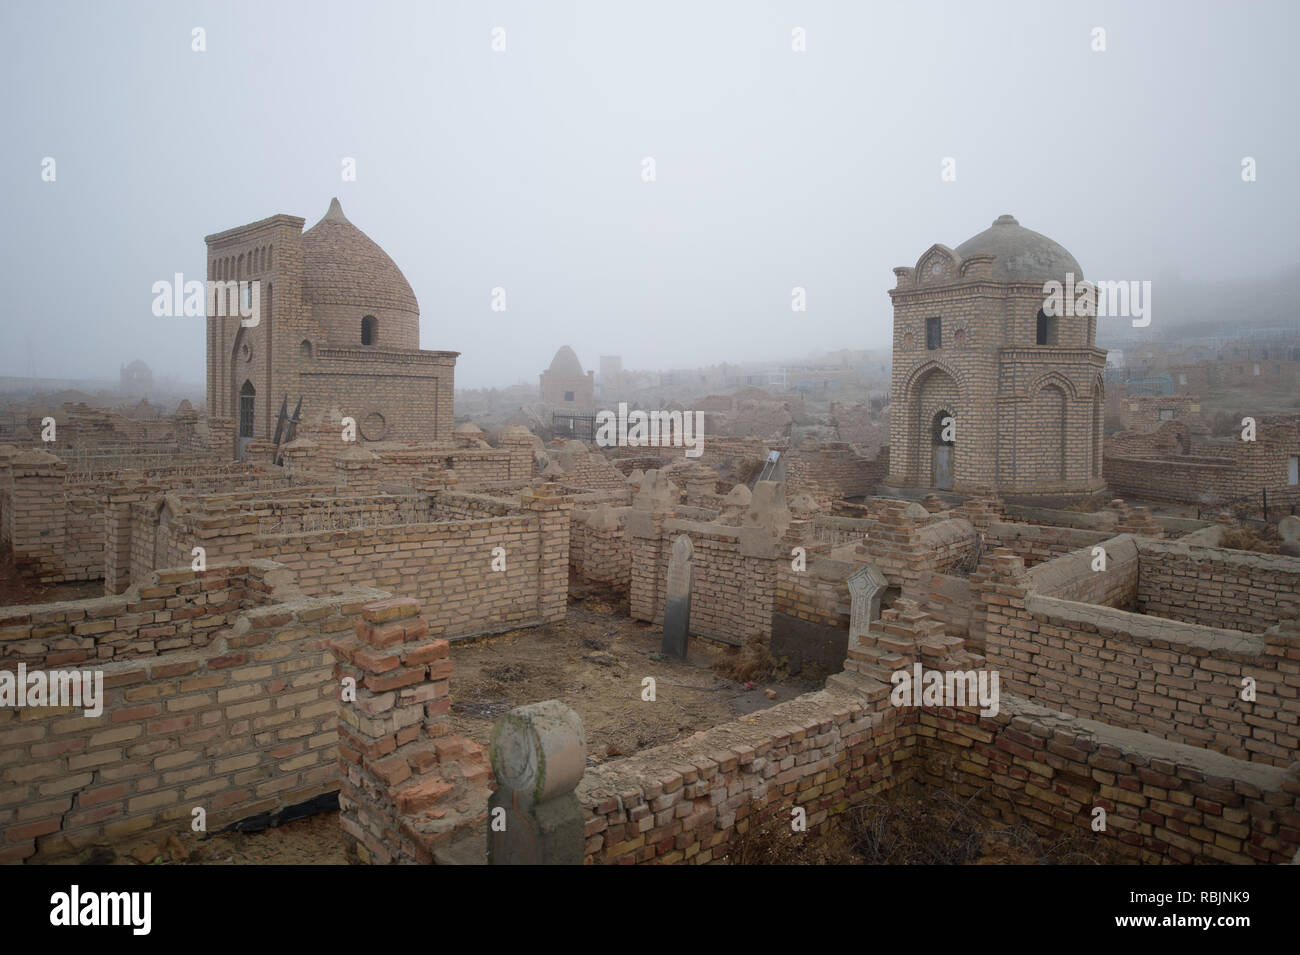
[{"x": 943, "y": 467}]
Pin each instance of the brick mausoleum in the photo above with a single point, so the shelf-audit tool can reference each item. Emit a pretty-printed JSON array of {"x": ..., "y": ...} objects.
[
  {"x": 1024, "y": 389},
  {"x": 339, "y": 328}
]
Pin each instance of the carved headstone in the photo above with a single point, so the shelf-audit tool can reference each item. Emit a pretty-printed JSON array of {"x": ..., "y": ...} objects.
[
  {"x": 677, "y": 607},
  {"x": 539, "y": 753},
  {"x": 866, "y": 587}
]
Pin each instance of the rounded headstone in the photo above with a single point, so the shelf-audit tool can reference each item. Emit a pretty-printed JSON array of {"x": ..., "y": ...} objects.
[{"x": 539, "y": 750}]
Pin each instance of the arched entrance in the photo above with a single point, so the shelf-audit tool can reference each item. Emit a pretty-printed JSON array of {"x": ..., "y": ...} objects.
[
  {"x": 247, "y": 394},
  {"x": 943, "y": 434}
]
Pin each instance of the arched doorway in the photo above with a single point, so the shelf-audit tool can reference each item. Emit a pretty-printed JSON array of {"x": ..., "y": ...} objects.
[
  {"x": 247, "y": 394},
  {"x": 943, "y": 435}
]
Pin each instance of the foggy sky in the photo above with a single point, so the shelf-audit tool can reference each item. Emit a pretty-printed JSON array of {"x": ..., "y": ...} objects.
[{"x": 522, "y": 169}]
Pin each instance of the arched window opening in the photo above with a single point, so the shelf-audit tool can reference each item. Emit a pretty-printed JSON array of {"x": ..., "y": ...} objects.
[
  {"x": 1047, "y": 329},
  {"x": 369, "y": 330}
]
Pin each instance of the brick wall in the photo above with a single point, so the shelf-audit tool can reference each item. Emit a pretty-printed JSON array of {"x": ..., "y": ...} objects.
[
  {"x": 1177, "y": 680},
  {"x": 1216, "y": 588},
  {"x": 735, "y": 574},
  {"x": 217, "y": 694}
]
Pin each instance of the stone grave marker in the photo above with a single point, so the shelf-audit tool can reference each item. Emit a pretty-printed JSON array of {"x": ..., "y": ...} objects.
[{"x": 677, "y": 607}]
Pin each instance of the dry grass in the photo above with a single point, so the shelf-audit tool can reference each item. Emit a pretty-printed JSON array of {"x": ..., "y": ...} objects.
[
  {"x": 1261, "y": 539},
  {"x": 753, "y": 662}
]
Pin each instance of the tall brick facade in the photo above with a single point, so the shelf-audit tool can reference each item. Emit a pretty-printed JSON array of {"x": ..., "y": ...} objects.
[
  {"x": 1024, "y": 392},
  {"x": 339, "y": 328}
]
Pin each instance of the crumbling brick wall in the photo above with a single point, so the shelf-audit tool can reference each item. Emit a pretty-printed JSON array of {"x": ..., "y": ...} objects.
[{"x": 217, "y": 695}]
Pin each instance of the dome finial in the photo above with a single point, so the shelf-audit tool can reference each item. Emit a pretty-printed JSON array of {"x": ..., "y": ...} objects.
[
  {"x": 335, "y": 212},
  {"x": 1006, "y": 220}
]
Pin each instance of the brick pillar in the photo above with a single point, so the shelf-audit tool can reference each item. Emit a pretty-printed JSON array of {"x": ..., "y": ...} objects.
[
  {"x": 357, "y": 469},
  {"x": 997, "y": 589},
  {"x": 117, "y": 536},
  {"x": 409, "y": 787},
  {"x": 645, "y": 535},
  {"x": 553, "y": 511},
  {"x": 39, "y": 513},
  {"x": 221, "y": 437}
]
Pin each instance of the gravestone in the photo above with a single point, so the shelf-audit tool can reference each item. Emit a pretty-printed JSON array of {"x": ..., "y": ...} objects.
[
  {"x": 866, "y": 587},
  {"x": 539, "y": 753},
  {"x": 1289, "y": 529},
  {"x": 677, "y": 607}
]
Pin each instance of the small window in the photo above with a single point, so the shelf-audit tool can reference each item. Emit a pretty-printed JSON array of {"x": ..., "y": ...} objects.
[
  {"x": 1166, "y": 414},
  {"x": 933, "y": 334},
  {"x": 369, "y": 330},
  {"x": 1046, "y": 328},
  {"x": 568, "y": 396}
]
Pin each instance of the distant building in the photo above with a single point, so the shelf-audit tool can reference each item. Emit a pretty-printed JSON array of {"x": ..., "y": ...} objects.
[
  {"x": 565, "y": 385},
  {"x": 136, "y": 379}
]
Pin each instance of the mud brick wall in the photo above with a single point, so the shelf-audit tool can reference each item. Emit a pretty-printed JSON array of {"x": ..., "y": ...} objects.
[
  {"x": 684, "y": 803},
  {"x": 476, "y": 466},
  {"x": 1216, "y": 588},
  {"x": 1177, "y": 680},
  {"x": 464, "y": 506},
  {"x": 735, "y": 568},
  {"x": 240, "y": 724},
  {"x": 816, "y": 594},
  {"x": 1035, "y": 543},
  {"x": 838, "y": 469},
  {"x": 83, "y": 541},
  {"x": 446, "y": 565},
  {"x": 1071, "y": 576},
  {"x": 174, "y": 610},
  {"x": 408, "y": 785},
  {"x": 1165, "y": 802},
  {"x": 598, "y": 554}
]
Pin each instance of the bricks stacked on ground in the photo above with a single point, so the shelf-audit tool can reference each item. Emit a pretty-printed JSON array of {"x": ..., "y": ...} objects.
[
  {"x": 216, "y": 695},
  {"x": 1053, "y": 640},
  {"x": 837, "y": 469},
  {"x": 409, "y": 785},
  {"x": 902, "y": 636},
  {"x": 907, "y": 544},
  {"x": 816, "y": 594}
]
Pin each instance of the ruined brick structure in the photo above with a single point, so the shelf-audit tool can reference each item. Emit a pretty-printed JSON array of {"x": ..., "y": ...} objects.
[
  {"x": 339, "y": 328},
  {"x": 1024, "y": 389}
]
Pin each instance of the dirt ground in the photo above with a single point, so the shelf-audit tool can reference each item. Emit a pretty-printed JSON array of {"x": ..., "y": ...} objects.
[{"x": 17, "y": 591}]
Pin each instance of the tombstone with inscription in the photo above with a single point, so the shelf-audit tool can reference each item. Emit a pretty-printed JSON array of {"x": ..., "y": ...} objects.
[
  {"x": 866, "y": 587},
  {"x": 677, "y": 607}
]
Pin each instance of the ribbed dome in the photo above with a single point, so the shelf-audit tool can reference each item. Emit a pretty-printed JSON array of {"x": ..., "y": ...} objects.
[
  {"x": 566, "y": 364},
  {"x": 341, "y": 265},
  {"x": 1022, "y": 255}
]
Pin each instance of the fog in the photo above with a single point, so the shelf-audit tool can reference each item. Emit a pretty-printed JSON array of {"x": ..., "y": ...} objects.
[{"x": 523, "y": 169}]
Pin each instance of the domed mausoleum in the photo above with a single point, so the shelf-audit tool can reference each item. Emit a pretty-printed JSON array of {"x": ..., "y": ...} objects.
[
  {"x": 338, "y": 327},
  {"x": 565, "y": 385},
  {"x": 988, "y": 387}
]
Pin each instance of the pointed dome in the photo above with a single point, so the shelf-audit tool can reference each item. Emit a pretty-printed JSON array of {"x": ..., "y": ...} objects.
[
  {"x": 341, "y": 265},
  {"x": 1022, "y": 255},
  {"x": 566, "y": 364}
]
